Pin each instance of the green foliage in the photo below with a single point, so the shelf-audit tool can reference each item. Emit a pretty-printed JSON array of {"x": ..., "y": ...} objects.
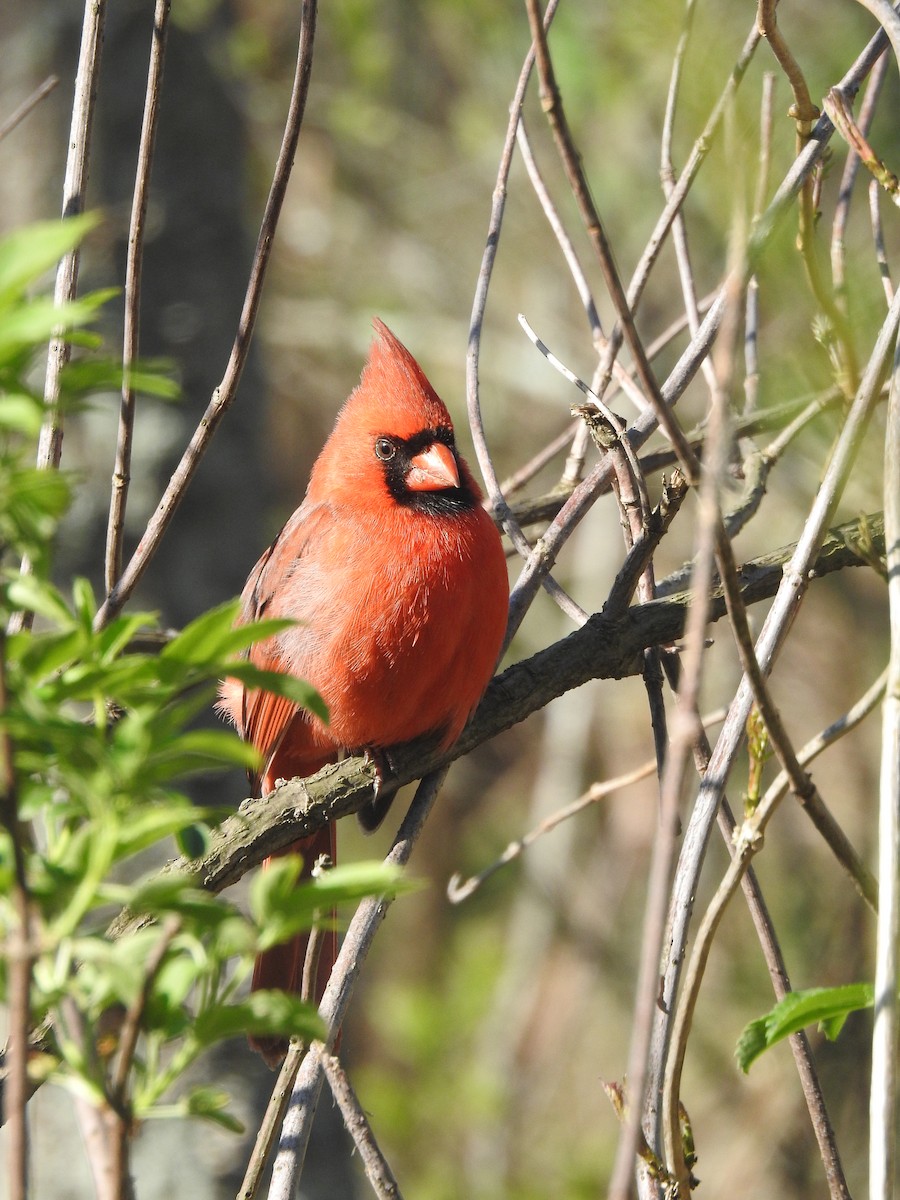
[
  {"x": 97, "y": 719},
  {"x": 828, "y": 1007}
]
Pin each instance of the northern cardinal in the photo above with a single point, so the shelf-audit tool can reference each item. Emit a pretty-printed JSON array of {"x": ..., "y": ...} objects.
[{"x": 397, "y": 578}]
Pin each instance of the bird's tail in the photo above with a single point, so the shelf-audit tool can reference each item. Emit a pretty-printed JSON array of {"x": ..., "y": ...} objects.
[{"x": 282, "y": 966}]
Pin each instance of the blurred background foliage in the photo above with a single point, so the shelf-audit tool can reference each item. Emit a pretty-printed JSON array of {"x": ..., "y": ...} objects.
[{"x": 483, "y": 1033}]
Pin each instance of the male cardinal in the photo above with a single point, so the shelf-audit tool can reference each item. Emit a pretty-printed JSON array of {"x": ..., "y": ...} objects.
[{"x": 397, "y": 579}]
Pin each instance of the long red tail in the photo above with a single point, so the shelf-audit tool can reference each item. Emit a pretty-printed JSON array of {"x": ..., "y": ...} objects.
[{"x": 282, "y": 966}]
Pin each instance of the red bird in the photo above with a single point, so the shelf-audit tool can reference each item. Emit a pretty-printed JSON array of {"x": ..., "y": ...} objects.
[{"x": 397, "y": 578}]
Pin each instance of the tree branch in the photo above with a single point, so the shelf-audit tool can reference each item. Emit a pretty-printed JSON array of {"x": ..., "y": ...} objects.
[{"x": 604, "y": 648}]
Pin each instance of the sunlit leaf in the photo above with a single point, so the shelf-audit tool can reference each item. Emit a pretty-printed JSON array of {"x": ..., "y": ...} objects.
[
  {"x": 95, "y": 375},
  {"x": 113, "y": 639},
  {"x": 193, "y": 840},
  {"x": 27, "y": 324},
  {"x": 283, "y": 904},
  {"x": 211, "y": 1104},
  {"x": 30, "y": 594},
  {"x": 27, "y": 253},
  {"x": 828, "y": 1007},
  {"x": 289, "y": 686},
  {"x": 263, "y": 1012},
  {"x": 21, "y": 413},
  {"x": 214, "y": 636}
]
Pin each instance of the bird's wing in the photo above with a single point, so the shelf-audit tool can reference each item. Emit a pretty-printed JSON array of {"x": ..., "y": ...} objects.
[{"x": 263, "y": 718}]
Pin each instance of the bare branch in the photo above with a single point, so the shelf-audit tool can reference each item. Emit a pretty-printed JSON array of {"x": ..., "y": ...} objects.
[
  {"x": 225, "y": 393},
  {"x": 775, "y": 627},
  {"x": 376, "y": 1166},
  {"x": 19, "y": 954},
  {"x": 748, "y": 842},
  {"x": 883, "y": 1095},
  {"x": 131, "y": 339},
  {"x": 363, "y": 927},
  {"x": 16, "y": 117}
]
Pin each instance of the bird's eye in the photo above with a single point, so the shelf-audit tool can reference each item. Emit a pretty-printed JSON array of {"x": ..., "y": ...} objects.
[{"x": 385, "y": 449}]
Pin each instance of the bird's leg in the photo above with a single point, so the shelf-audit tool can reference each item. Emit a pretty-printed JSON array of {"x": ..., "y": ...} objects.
[{"x": 371, "y": 816}]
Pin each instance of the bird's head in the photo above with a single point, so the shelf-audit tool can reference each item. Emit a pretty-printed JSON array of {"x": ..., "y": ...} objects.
[{"x": 393, "y": 439}]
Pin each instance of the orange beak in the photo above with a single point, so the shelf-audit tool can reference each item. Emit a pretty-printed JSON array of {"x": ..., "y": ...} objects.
[{"x": 433, "y": 470}]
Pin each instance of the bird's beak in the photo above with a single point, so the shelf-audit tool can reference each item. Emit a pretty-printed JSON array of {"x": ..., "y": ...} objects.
[{"x": 433, "y": 470}]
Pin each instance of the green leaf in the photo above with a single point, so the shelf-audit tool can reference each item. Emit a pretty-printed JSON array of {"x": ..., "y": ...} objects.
[
  {"x": 21, "y": 413},
  {"x": 354, "y": 881},
  {"x": 829, "y": 1007},
  {"x": 84, "y": 602},
  {"x": 31, "y": 502},
  {"x": 177, "y": 892},
  {"x": 211, "y": 1104},
  {"x": 289, "y": 686},
  {"x": 113, "y": 971},
  {"x": 283, "y": 904},
  {"x": 112, "y": 640},
  {"x": 98, "y": 375},
  {"x": 193, "y": 841},
  {"x": 273, "y": 886},
  {"x": 31, "y": 594},
  {"x": 43, "y": 655},
  {"x": 205, "y": 638},
  {"x": 151, "y": 824},
  {"x": 174, "y": 981},
  {"x": 263, "y": 1012},
  {"x": 27, "y": 253},
  {"x": 36, "y": 321},
  {"x": 213, "y": 636},
  {"x": 209, "y": 747}
]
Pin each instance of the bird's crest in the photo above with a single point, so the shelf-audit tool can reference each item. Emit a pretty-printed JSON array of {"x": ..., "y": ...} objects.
[{"x": 393, "y": 389}]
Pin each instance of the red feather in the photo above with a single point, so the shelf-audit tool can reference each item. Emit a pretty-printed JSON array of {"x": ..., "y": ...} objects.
[{"x": 397, "y": 579}]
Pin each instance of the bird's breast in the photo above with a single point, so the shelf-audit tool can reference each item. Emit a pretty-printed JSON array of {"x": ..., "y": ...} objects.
[{"x": 397, "y": 632}]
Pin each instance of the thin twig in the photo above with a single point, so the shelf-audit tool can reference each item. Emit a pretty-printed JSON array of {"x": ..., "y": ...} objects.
[
  {"x": 803, "y": 111},
  {"x": 31, "y": 102},
  {"x": 459, "y": 889},
  {"x": 551, "y": 102},
  {"x": 842, "y": 115},
  {"x": 583, "y": 496},
  {"x": 781, "y": 985},
  {"x": 878, "y": 239},
  {"x": 748, "y": 842},
  {"x": 131, "y": 338},
  {"x": 621, "y": 376},
  {"x": 778, "y": 621},
  {"x": 551, "y": 212},
  {"x": 225, "y": 393},
  {"x": 621, "y": 438},
  {"x": 374, "y": 1163},
  {"x": 805, "y": 114},
  {"x": 848, "y": 178},
  {"x": 812, "y": 153},
  {"x": 131, "y": 1025},
  {"x": 883, "y": 1095},
  {"x": 272, "y": 1120},
  {"x": 700, "y": 149},
  {"x": 657, "y": 525},
  {"x": 479, "y": 303},
  {"x": 882, "y": 11},
  {"x": 362, "y": 929},
  {"x": 664, "y": 1128},
  {"x": 501, "y": 510},
  {"x": 281, "y": 1093},
  {"x": 751, "y": 302},
  {"x": 19, "y": 953},
  {"x": 668, "y": 178},
  {"x": 525, "y": 473},
  {"x": 74, "y": 191}
]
